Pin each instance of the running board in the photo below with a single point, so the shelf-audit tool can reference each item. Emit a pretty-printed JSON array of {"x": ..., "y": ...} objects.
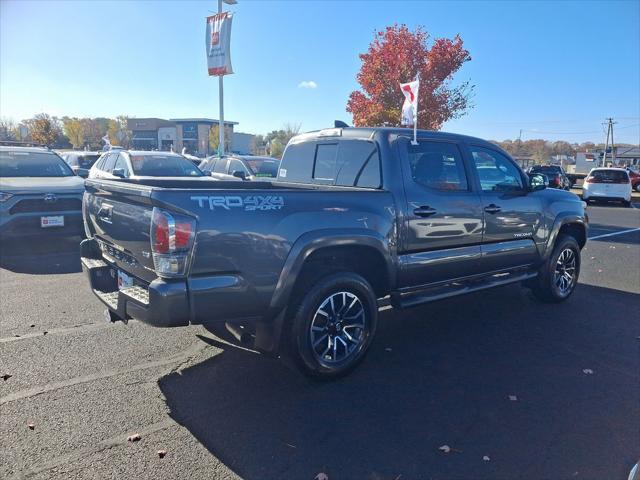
[{"x": 459, "y": 287}]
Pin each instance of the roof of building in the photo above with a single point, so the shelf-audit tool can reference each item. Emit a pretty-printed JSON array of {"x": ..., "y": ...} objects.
[{"x": 201, "y": 120}]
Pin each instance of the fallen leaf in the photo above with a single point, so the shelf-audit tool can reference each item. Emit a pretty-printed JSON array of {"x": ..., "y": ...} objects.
[
  {"x": 162, "y": 453},
  {"x": 599, "y": 271},
  {"x": 134, "y": 438},
  {"x": 388, "y": 349},
  {"x": 6, "y": 376},
  {"x": 486, "y": 458},
  {"x": 31, "y": 426},
  {"x": 321, "y": 476},
  {"x": 289, "y": 445},
  {"x": 513, "y": 398},
  {"x": 32, "y": 325},
  {"x": 45, "y": 332},
  {"x": 587, "y": 371},
  {"x": 16, "y": 335},
  {"x": 445, "y": 448},
  {"x": 593, "y": 258}
]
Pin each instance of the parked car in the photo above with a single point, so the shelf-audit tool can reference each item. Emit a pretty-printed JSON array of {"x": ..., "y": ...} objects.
[
  {"x": 607, "y": 184},
  {"x": 555, "y": 174},
  {"x": 115, "y": 164},
  {"x": 39, "y": 193},
  {"x": 302, "y": 262},
  {"x": 80, "y": 160},
  {"x": 635, "y": 179},
  {"x": 244, "y": 167}
]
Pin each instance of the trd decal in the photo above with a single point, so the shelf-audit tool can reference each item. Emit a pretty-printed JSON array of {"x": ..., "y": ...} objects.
[{"x": 249, "y": 203}]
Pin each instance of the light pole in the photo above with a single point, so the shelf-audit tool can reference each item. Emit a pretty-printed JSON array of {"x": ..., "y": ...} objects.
[{"x": 221, "y": 92}]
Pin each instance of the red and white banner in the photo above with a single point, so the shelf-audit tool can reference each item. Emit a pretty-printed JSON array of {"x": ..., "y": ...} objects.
[
  {"x": 410, "y": 105},
  {"x": 218, "y": 40}
]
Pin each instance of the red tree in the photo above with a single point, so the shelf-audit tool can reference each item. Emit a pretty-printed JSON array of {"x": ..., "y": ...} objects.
[{"x": 397, "y": 55}]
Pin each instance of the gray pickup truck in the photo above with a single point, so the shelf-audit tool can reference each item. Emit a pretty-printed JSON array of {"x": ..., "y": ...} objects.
[{"x": 355, "y": 217}]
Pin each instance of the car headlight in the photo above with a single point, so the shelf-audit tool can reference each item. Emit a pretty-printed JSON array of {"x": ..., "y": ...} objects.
[{"x": 4, "y": 196}]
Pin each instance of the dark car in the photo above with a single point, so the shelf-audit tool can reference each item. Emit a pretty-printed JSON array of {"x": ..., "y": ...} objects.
[
  {"x": 356, "y": 217},
  {"x": 80, "y": 160},
  {"x": 555, "y": 174},
  {"x": 245, "y": 167},
  {"x": 39, "y": 193}
]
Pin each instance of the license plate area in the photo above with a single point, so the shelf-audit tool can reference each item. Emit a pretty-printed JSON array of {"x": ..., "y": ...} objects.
[
  {"x": 52, "y": 221},
  {"x": 124, "y": 280}
]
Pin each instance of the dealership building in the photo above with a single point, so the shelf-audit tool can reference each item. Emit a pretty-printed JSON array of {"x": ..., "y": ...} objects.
[{"x": 179, "y": 133}]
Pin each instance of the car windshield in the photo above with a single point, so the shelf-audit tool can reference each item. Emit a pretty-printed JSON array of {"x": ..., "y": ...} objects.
[
  {"x": 32, "y": 164},
  {"x": 87, "y": 161},
  {"x": 615, "y": 176},
  {"x": 263, "y": 167},
  {"x": 163, "y": 166}
]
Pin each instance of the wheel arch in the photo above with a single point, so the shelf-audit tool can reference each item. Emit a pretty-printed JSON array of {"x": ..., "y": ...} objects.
[{"x": 573, "y": 225}]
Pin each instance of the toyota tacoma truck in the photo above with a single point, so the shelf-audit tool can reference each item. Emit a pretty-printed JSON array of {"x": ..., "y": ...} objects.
[{"x": 355, "y": 218}]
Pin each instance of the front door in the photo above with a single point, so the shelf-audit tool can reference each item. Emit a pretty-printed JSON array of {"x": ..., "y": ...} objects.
[
  {"x": 512, "y": 215},
  {"x": 443, "y": 223}
]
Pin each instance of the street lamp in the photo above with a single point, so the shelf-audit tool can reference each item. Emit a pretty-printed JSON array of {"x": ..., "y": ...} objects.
[{"x": 221, "y": 91}]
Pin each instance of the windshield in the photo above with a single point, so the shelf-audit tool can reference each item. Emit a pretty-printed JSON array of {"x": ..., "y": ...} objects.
[
  {"x": 84, "y": 161},
  {"x": 163, "y": 166},
  {"x": 263, "y": 167},
  {"x": 32, "y": 164}
]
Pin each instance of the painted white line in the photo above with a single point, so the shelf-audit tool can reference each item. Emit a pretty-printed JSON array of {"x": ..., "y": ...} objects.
[{"x": 614, "y": 233}]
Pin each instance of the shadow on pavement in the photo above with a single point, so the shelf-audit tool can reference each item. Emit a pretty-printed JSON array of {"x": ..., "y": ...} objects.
[
  {"x": 438, "y": 374},
  {"x": 41, "y": 255}
]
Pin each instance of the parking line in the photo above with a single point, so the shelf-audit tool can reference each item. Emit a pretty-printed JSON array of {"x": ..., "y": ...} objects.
[{"x": 614, "y": 233}]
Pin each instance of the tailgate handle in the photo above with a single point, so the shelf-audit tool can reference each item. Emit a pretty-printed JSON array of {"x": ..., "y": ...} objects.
[{"x": 104, "y": 213}]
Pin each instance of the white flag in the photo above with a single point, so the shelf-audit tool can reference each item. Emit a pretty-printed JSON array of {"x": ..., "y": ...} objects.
[
  {"x": 410, "y": 105},
  {"x": 218, "y": 38}
]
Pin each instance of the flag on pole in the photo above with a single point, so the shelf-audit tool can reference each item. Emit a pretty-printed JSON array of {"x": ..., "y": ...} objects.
[
  {"x": 410, "y": 105},
  {"x": 218, "y": 38}
]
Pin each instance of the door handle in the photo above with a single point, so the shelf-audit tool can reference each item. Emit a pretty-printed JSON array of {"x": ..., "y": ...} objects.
[
  {"x": 493, "y": 208},
  {"x": 424, "y": 211}
]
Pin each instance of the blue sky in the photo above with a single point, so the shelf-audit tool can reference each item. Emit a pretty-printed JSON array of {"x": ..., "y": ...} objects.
[{"x": 553, "y": 69}]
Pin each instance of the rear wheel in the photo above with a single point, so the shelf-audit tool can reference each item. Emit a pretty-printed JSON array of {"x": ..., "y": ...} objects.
[
  {"x": 333, "y": 326},
  {"x": 558, "y": 278},
  {"x": 626, "y": 203}
]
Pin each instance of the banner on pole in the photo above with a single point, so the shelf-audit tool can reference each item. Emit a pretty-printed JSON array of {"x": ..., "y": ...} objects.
[
  {"x": 410, "y": 105},
  {"x": 218, "y": 40}
]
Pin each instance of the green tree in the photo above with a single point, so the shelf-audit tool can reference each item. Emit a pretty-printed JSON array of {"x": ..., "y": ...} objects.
[
  {"x": 283, "y": 135},
  {"x": 275, "y": 148}
]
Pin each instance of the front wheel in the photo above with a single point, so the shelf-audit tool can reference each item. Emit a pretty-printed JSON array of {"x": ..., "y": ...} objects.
[
  {"x": 558, "y": 278},
  {"x": 334, "y": 326}
]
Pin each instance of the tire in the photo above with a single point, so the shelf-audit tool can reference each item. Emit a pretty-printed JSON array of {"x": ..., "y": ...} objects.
[
  {"x": 547, "y": 286},
  {"x": 626, "y": 203},
  {"x": 638, "y": 187},
  {"x": 319, "y": 322}
]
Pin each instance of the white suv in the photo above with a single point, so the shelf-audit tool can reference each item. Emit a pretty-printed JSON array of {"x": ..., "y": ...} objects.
[{"x": 607, "y": 184}]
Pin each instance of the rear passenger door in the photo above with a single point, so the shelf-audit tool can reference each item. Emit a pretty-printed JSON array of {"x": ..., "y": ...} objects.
[
  {"x": 444, "y": 221},
  {"x": 512, "y": 216}
]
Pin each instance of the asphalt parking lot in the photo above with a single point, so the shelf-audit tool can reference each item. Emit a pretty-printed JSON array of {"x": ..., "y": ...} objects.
[{"x": 517, "y": 389}]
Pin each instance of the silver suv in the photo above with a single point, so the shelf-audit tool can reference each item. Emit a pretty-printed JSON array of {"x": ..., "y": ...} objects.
[{"x": 39, "y": 193}]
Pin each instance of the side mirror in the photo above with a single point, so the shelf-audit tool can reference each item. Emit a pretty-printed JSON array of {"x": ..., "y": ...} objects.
[
  {"x": 537, "y": 182},
  {"x": 81, "y": 172},
  {"x": 118, "y": 172},
  {"x": 239, "y": 174}
]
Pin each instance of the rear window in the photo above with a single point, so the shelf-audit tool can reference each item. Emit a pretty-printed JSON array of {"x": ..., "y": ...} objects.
[
  {"x": 346, "y": 163},
  {"x": 163, "y": 166},
  {"x": 33, "y": 164},
  {"x": 613, "y": 176},
  {"x": 545, "y": 169},
  {"x": 87, "y": 161}
]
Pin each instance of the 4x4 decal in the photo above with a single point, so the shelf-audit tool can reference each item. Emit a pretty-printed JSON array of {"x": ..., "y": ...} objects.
[{"x": 249, "y": 203}]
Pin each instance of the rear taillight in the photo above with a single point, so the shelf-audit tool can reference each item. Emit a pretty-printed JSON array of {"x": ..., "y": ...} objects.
[
  {"x": 591, "y": 179},
  {"x": 171, "y": 241},
  {"x": 557, "y": 180}
]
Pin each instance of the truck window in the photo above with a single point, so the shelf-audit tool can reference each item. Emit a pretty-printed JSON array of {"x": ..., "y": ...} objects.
[
  {"x": 297, "y": 163},
  {"x": 220, "y": 166},
  {"x": 110, "y": 160},
  {"x": 324, "y": 167},
  {"x": 437, "y": 165},
  {"x": 358, "y": 164},
  {"x": 496, "y": 172},
  {"x": 122, "y": 163}
]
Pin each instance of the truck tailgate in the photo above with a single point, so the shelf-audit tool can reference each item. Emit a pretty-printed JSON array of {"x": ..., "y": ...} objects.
[{"x": 119, "y": 216}]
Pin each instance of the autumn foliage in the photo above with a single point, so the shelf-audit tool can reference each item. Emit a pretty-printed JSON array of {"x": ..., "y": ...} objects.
[{"x": 398, "y": 55}]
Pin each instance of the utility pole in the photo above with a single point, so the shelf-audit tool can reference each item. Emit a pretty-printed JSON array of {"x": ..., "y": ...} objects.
[
  {"x": 610, "y": 124},
  {"x": 221, "y": 102}
]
